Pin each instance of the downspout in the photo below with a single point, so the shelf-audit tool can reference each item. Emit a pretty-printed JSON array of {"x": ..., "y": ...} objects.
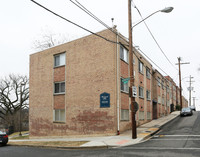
[{"x": 118, "y": 132}]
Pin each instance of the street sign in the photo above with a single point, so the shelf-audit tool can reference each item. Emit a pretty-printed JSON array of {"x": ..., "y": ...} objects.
[
  {"x": 134, "y": 91},
  {"x": 125, "y": 80},
  {"x": 136, "y": 106}
]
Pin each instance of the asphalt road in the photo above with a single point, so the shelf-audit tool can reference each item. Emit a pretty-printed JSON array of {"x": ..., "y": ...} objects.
[{"x": 179, "y": 138}]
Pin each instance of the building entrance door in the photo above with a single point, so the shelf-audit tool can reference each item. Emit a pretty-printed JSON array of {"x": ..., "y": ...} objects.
[{"x": 154, "y": 110}]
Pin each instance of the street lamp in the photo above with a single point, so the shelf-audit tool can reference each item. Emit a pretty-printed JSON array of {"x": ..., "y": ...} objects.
[
  {"x": 130, "y": 27},
  {"x": 22, "y": 84},
  {"x": 165, "y": 10}
]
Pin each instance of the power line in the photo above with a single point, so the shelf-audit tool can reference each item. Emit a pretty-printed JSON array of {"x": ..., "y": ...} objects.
[
  {"x": 152, "y": 61},
  {"x": 92, "y": 32},
  {"x": 154, "y": 37},
  {"x": 79, "y": 5},
  {"x": 73, "y": 23}
]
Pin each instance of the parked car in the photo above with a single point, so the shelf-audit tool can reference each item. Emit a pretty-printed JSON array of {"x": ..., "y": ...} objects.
[
  {"x": 3, "y": 138},
  {"x": 186, "y": 111},
  {"x": 193, "y": 108}
]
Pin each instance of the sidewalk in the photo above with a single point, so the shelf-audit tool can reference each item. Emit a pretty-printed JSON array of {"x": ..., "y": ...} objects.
[{"x": 124, "y": 139}]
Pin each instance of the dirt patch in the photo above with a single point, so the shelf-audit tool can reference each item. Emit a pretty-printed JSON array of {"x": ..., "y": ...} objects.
[{"x": 50, "y": 143}]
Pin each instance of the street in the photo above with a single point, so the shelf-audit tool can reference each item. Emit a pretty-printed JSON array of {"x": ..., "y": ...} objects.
[{"x": 179, "y": 138}]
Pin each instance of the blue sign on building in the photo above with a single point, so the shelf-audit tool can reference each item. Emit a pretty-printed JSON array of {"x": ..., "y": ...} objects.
[{"x": 104, "y": 100}]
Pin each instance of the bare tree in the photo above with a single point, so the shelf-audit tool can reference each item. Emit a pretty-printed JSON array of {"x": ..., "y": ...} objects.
[
  {"x": 48, "y": 39},
  {"x": 14, "y": 94}
]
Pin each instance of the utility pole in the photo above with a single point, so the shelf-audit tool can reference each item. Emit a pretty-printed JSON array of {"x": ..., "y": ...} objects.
[
  {"x": 131, "y": 69},
  {"x": 194, "y": 101},
  {"x": 190, "y": 89},
  {"x": 179, "y": 65}
]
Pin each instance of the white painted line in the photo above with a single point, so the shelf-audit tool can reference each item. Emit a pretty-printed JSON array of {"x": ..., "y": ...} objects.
[
  {"x": 186, "y": 139},
  {"x": 177, "y": 136},
  {"x": 158, "y": 148}
]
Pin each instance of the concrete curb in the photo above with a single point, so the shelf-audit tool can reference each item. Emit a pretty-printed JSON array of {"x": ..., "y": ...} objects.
[{"x": 59, "y": 147}]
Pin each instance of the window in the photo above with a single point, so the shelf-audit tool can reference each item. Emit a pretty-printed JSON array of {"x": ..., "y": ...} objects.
[
  {"x": 158, "y": 81},
  {"x": 140, "y": 67},
  {"x": 123, "y": 54},
  {"x": 59, "y": 87},
  {"x": 133, "y": 61},
  {"x": 148, "y": 115},
  {"x": 141, "y": 115},
  {"x": 124, "y": 86},
  {"x": 59, "y": 115},
  {"x": 163, "y": 101},
  {"x": 167, "y": 89},
  {"x": 148, "y": 94},
  {"x": 162, "y": 84},
  {"x": 141, "y": 92},
  {"x": 59, "y": 60},
  {"x": 124, "y": 114},
  {"x": 159, "y": 99},
  {"x": 147, "y": 72}
]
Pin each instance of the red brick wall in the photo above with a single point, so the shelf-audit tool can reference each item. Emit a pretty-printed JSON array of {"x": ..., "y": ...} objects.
[
  {"x": 124, "y": 101},
  {"x": 59, "y": 74},
  {"x": 124, "y": 69},
  {"x": 59, "y": 101},
  {"x": 90, "y": 71}
]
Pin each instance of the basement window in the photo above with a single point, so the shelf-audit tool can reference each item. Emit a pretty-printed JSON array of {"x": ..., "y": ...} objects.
[
  {"x": 59, "y": 115},
  {"x": 124, "y": 115}
]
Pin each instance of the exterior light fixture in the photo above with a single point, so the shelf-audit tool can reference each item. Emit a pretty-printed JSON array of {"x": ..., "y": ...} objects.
[{"x": 165, "y": 10}]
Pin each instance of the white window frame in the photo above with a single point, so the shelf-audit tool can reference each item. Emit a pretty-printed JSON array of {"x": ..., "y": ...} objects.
[
  {"x": 60, "y": 91},
  {"x": 163, "y": 101},
  {"x": 159, "y": 99},
  {"x": 148, "y": 94},
  {"x": 124, "y": 114},
  {"x": 124, "y": 86},
  {"x": 167, "y": 89},
  {"x": 141, "y": 92},
  {"x": 141, "y": 115},
  {"x": 59, "y": 115},
  {"x": 140, "y": 67},
  {"x": 159, "y": 84},
  {"x": 59, "y": 59},
  {"x": 162, "y": 84},
  {"x": 123, "y": 54},
  {"x": 148, "y": 75}
]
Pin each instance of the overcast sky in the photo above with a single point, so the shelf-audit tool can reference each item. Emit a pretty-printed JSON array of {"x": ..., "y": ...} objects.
[{"x": 177, "y": 32}]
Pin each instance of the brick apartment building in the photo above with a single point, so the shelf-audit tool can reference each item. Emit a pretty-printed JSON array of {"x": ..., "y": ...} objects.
[{"x": 77, "y": 88}]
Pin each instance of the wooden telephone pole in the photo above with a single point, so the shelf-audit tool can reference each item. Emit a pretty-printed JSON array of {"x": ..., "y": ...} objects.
[
  {"x": 131, "y": 69},
  {"x": 179, "y": 65}
]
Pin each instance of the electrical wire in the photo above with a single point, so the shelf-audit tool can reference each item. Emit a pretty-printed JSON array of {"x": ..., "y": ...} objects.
[
  {"x": 91, "y": 31},
  {"x": 79, "y": 5},
  {"x": 73, "y": 23},
  {"x": 154, "y": 37}
]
